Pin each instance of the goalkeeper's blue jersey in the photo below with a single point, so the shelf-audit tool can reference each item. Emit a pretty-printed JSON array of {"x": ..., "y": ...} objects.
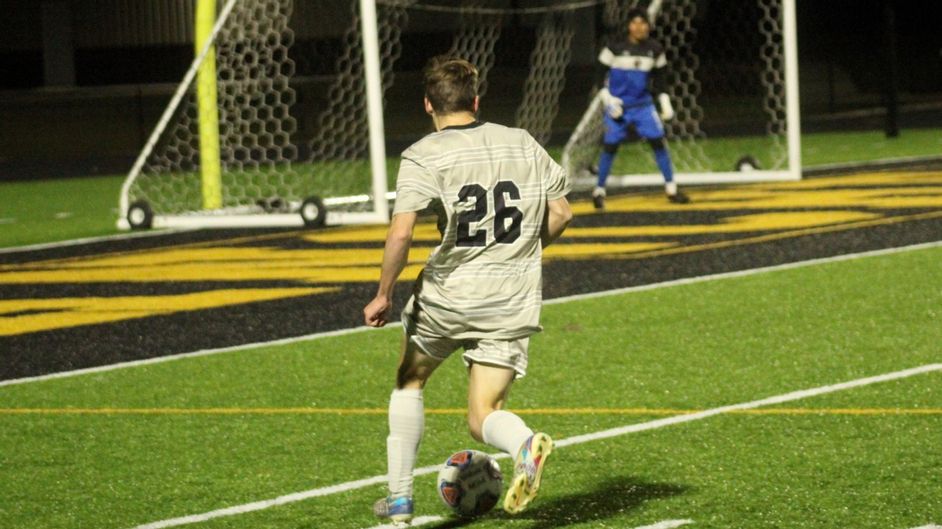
[{"x": 630, "y": 67}]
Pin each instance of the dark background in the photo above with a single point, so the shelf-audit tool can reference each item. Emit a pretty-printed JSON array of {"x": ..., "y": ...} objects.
[{"x": 82, "y": 82}]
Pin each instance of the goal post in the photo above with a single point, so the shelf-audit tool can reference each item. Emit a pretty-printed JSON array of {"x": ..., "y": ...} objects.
[
  {"x": 207, "y": 99},
  {"x": 293, "y": 126},
  {"x": 223, "y": 153}
]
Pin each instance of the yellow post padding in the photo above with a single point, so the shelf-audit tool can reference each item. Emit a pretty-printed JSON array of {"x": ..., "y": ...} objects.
[{"x": 210, "y": 170}]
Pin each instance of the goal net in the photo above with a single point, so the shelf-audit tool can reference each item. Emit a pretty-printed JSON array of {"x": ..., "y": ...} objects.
[
  {"x": 288, "y": 108},
  {"x": 732, "y": 78}
]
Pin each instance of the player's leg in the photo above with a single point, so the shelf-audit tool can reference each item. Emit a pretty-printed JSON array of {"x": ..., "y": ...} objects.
[
  {"x": 650, "y": 128},
  {"x": 615, "y": 133},
  {"x": 407, "y": 424},
  {"x": 493, "y": 366},
  {"x": 488, "y": 386}
]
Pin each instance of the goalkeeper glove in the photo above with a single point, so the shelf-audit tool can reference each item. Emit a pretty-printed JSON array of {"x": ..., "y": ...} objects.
[
  {"x": 667, "y": 111},
  {"x": 613, "y": 105}
]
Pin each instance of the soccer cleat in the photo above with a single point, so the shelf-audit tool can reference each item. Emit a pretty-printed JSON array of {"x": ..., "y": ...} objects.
[
  {"x": 678, "y": 198},
  {"x": 598, "y": 198},
  {"x": 397, "y": 510},
  {"x": 598, "y": 201},
  {"x": 528, "y": 470}
]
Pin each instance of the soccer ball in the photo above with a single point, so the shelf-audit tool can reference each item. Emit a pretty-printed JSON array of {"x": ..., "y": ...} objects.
[{"x": 470, "y": 483}]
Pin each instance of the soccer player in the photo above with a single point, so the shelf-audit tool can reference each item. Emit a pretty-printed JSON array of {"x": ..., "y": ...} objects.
[
  {"x": 500, "y": 199},
  {"x": 636, "y": 69}
]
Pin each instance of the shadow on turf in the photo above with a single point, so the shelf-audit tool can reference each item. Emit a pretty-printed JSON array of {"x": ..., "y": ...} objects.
[{"x": 610, "y": 498}]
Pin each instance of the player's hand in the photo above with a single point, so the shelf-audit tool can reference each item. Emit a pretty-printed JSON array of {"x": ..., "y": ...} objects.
[
  {"x": 667, "y": 110},
  {"x": 376, "y": 313},
  {"x": 613, "y": 105}
]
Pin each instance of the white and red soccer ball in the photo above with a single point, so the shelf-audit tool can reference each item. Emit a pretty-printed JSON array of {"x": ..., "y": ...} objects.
[{"x": 470, "y": 483}]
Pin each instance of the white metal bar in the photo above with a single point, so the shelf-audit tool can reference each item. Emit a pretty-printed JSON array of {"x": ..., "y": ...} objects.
[
  {"x": 355, "y": 199},
  {"x": 656, "y": 179},
  {"x": 374, "y": 105},
  {"x": 273, "y": 220},
  {"x": 792, "y": 113},
  {"x": 261, "y": 220}
]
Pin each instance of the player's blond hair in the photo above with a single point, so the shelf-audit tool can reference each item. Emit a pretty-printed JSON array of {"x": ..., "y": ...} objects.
[{"x": 451, "y": 84}]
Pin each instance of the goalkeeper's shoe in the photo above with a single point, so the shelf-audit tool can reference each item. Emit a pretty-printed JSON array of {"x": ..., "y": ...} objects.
[
  {"x": 528, "y": 471},
  {"x": 678, "y": 198},
  {"x": 397, "y": 510},
  {"x": 598, "y": 197}
]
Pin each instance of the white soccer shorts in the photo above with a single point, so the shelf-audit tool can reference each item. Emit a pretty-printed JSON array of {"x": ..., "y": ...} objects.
[{"x": 505, "y": 353}]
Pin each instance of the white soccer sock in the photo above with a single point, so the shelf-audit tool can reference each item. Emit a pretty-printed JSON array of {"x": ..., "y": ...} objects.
[
  {"x": 506, "y": 431},
  {"x": 671, "y": 188},
  {"x": 406, "y": 425}
]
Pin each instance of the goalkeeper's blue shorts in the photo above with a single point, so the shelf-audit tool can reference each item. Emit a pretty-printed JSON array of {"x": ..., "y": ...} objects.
[{"x": 642, "y": 118}]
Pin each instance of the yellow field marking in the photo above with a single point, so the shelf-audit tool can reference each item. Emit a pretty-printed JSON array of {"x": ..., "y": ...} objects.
[
  {"x": 741, "y": 197},
  {"x": 189, "y": 261},
  {"x": 768, "y": 198},
  {"x": 21, "y": 316},
  {"x": 743, "y": 223},
  {"x": 778, "y": 220},
  {"x": 318, "y": 266},
  {"x": 600, "y": 250},
  {"x": 783, "y": 235},
  {"x": 460, "y": 411},
  {"x": 246, "y": 239},
  {"x": 425, "y": 232},
  {"x": 861, "y": 179},
  {"x": 337, "y": 265},
  {"x": 331, "y": 265}
]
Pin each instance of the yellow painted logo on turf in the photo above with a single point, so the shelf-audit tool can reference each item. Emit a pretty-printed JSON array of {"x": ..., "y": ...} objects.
[
  {"x": 763, "y": 212},
  {"x": 21, "y": 316}
]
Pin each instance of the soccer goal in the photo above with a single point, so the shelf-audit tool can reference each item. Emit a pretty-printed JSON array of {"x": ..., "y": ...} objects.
[
  {"x": 288, "y": 109},
  {"x": 733, "y": 80}
]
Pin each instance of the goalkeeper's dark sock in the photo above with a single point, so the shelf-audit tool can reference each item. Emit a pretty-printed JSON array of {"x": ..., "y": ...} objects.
[
  {"x": 605, "y": 167},
  {"x": 663, "y": 159}
]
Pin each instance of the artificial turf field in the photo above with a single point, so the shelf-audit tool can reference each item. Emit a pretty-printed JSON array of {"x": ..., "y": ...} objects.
[{"x": 161, "y": 441}]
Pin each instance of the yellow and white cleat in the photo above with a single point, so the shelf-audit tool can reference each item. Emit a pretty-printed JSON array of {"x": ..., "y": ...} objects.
[{"x": 528, "y": 471}]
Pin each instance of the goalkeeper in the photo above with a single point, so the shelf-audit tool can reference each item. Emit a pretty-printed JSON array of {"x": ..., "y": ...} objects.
[{"x": 635, "y": 71}]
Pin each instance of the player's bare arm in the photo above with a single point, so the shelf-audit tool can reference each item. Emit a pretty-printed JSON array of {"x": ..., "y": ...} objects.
[
  {"x": 558, "y": 216},
  {"x": 395, "y": 257}
]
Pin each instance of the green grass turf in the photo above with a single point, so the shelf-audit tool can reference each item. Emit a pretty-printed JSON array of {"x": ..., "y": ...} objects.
[
  {"x": 694, "y": 346},
  {"x": 816, "y": 149},
  {"x": 30, "y": 209}
]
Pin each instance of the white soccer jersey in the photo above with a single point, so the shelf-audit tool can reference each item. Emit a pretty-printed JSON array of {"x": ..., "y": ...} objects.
[{"x": 489, "y": 185}]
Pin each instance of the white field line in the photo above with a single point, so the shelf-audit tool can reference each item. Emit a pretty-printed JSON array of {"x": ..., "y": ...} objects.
[
  {"x": 418, "y": 520},
  {"x": 666, "y": 524},
  {"x": 930, "y": 526},
  {"x": 554, "y": 301},
  {"x": 87, "y": 240},
  {"x": 579, "y": 439}
]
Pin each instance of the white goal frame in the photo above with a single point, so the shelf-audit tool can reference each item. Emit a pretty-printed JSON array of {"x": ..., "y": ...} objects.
[
  {"x": 373, "y": 205},
  {"x": 748, "y": 175}
]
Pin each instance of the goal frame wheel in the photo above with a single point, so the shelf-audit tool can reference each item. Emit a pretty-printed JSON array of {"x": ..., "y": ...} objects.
[
  {"x": 140, "y": 216},
  {"x": 747, "y": 163},
  {"x": 313, "y": 212}
]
